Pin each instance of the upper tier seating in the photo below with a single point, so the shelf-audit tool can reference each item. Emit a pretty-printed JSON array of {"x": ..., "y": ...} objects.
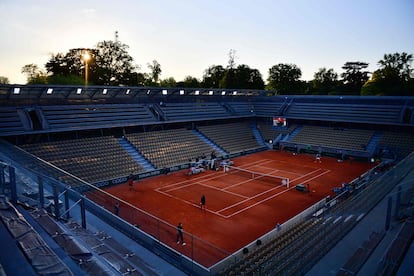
[
  {"x": 10, "y": 121},
  {"x": 348, "y": 139},
  {"x": 96, "y": 116},
  {"x": 345, "y": 112},
  {"x": 169, "y": 147},
  {"x": 267, "y": 108},
  {"x": 91, "y": 159},
  {"x": 193, "y": 111},
  {"x": 242, "y": 108},
  {"x": 233, "y": 137}
]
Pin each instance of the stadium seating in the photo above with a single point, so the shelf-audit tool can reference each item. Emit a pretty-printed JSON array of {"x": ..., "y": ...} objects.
[
  {"x": 393, "y": 257},
  {"x": 268, "y": 108},
  {"x": 269, "y": 132},
  {"x": 193, "y": 111},
  {"x": 91, "y": 159},
  {"x": 42, "y": 258},
  {"x": 375, "y": 110},
  {"x": 402, "y": 143},
  {"x": 348, "y": 113},
  {"x": 166, "y": 148},
  {"x": 241, "y": 108},
  {"x": 95, "y": 116},
  {"x": 10, "y": 122},
  {"x": 355, "y": 262},
  {"x": 232, "y": 137},
  {"x": 340, "y": 138}
]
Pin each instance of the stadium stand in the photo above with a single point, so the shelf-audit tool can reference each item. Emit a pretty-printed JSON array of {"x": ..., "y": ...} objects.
[
  {"x": 167, "y": 148},
  {"x": 43, "y": 259},
  {"x": 354, "y": 264},
  {"x": 399, "y": 142},
  {"x": 70, "y": 117},
  {"x": 232, "y": 137},
  {"x": 193, "y": 111},
  {"x": 91, "y": 159},
  {"x": 266, "y": 108},
  {"x": 348, "y": 109},
  {"x": 339, "y": 138},
  {"x": 269, "y": 132},
  {"x": 241, "y": 108},
  {"x": 10, "y": 121},
  {"x": 392, "y": 260}
]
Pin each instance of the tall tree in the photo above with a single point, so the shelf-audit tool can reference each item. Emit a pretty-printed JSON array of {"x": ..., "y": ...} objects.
[
  {"x": 247, "y": 78},
  {"x": 155, "y": 71},
  {"x": 325, "y": 82},
  {"x": 70, "y": 68},
  {"x": 168, "y": 82},
  {"x": 212, "y": 76},
  {"x": 394, "y": 77},
  {"x": 284, "y": 78},
  {"x": 4, "y": 80},
  {"x": 229, "y": 79},
  {"x": 114, "y": 66},
  {"x": 354, "y": 76},
  {"x": 189, "y": 82},
  {"x": 396, "y": 66},
  {"x": 34, "y": 74}
]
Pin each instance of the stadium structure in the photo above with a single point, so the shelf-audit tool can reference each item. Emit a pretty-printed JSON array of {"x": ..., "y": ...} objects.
[{"x": 57, "y": 143}]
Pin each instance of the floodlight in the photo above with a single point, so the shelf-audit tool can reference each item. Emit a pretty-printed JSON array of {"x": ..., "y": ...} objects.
[
  {"x": 210, "y": 92},
  {"x": 49, "y": 91},
  {"x": 197, "y": 92},
  {"x": 181, "y": 92},
  {"x": 223, "y": 93},
  {"x": 164, "y": 92},
  {"x": 234, "y": 92},
  {"x": 127, "y": 92},
  {"x": 105, "y": 91},
  {"x": 16, "y": 90},
  {"x": 78, "y": 91}
]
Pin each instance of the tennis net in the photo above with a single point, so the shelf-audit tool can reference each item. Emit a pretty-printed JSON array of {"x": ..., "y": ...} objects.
[{"x": 272, "y": 179}]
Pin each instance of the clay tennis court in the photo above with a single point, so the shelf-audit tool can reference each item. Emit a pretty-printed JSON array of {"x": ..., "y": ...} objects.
[{"x": 238, "y": 210}]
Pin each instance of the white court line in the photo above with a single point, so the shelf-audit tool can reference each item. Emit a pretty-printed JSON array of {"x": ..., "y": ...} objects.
[
  {"x": 268, "y": 191},
  {"x": 263, "y": 200},
  {"x": 289, "y": 172},
  {"x": 198, "y": 180},
  {"x": 202, "y": 177},
  {"x": 252, "y": 179},
  {"x": 305, "y": 175},
  {"x": 192, "y": 204}
]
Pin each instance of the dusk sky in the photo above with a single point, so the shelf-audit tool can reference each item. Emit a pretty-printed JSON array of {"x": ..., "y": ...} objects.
[{"x": 186, "y": 37}]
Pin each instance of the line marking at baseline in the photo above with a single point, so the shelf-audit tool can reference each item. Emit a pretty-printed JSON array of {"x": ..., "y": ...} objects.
[
  {"x": 200, "y": 179},
  {"x": 263, "y": 200}
]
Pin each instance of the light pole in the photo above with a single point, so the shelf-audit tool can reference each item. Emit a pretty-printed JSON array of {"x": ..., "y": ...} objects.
[{"x": 86, "y": 57}]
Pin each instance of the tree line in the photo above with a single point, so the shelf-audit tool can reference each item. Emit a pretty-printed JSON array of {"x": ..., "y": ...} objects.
[{"x": 109, "y": 63}]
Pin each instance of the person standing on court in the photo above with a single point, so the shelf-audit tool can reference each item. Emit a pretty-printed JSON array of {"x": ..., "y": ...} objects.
[
  {"x": 131, "y": 182},
  {"x": 116, "y": 208},
  {"x": 180, "y": 237},
  {"x": 203, "y": 202}
]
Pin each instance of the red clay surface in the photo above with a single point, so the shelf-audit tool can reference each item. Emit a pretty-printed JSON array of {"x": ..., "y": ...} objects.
[{"x": 238, "y": 210}]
